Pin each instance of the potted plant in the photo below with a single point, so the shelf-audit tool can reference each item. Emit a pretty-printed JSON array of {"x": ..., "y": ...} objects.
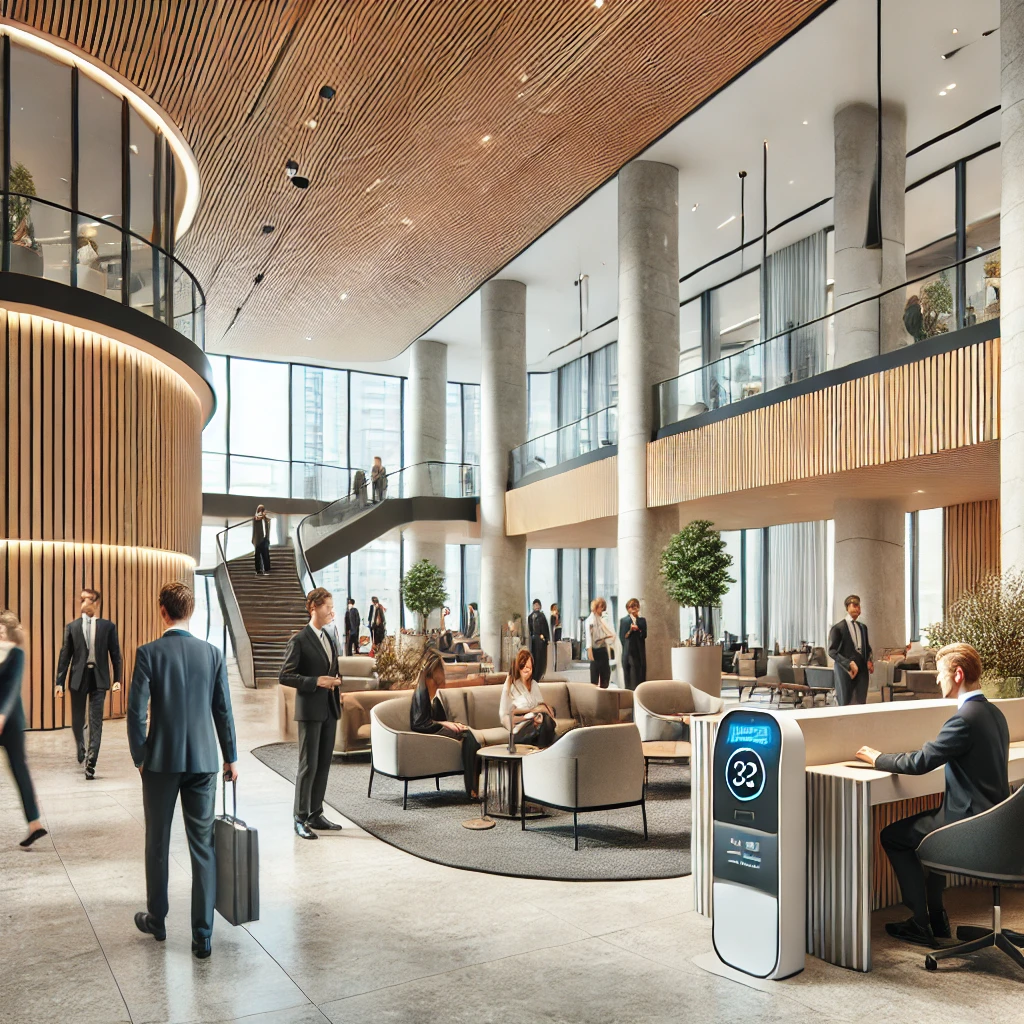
[
  {"x": 989, "y": 617},
  {"x": 423, "y": 589},
  {"x": 695, "y": 571}
]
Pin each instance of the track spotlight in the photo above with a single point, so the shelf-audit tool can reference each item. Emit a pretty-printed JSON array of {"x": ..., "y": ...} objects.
[
  {"x": 326, "y": 92},
  {"x": 291, "y": 168},
  {"x": 300, "y": 182},
  {"x": 268, "y": 229}
]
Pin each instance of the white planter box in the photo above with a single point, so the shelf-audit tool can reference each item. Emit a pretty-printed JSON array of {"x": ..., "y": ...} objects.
[{"x": 701, "y": 667}]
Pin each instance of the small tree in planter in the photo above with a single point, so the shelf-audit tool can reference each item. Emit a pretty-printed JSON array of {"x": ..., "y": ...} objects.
[
  {"x": 423, "y": 589},
  {"x": 695, "y": 571}
]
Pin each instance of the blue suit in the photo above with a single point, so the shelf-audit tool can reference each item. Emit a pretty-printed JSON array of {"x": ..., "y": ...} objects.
[
  {"x": 184, "y": 683},
  {"x": 12, "y": 739}
]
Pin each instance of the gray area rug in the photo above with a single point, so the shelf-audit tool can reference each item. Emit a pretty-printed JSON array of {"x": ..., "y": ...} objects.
[{"x": 612, "y": 846}]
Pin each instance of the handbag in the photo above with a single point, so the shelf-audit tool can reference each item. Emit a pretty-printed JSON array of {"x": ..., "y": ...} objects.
[{"x": 236, "y": 847}]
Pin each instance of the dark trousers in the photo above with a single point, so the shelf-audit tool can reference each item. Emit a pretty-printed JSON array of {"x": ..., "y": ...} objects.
[
  {"x": 198, "y": 803},
  {"x": 600, "y": 669},
  {"x": 851, "y": 691},
  {"x": 633, "y": 671},
  {"x": 921, "y": 889},
  {"x": 262, "y": 555},
  {"x": 539, "y": 653},
  {"x": 316, "y": 747},
  {"x": 88, "y": 695},
  {"x": 470, "y": 762},
  {"x": 542, "y": 735},
  {"x": 378, "y": 633},
  {"x": 12, "y": 739},
  {"x": 351, "y": 645}
]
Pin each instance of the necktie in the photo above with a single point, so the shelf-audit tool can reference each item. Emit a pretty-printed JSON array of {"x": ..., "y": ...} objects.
[
  {"x": 88, "y": 640},
  {"x": 855, "y": 629},
  {"x": 327, "y": 647}
]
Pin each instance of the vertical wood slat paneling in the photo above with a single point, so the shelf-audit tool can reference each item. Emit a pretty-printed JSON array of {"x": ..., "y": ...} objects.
[
  {"x": 938, "y": 403},
  {"x": 102, "y": 487},
  {"x": 576, "y": 496},
  {"x": 972, "y": 546}
]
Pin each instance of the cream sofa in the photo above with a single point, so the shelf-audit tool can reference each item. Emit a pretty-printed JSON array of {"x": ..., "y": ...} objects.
[{"x": 589, "y": 769}]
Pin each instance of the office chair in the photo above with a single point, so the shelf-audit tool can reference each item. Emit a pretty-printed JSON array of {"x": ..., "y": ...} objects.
[{"x": 989, "y": 845}]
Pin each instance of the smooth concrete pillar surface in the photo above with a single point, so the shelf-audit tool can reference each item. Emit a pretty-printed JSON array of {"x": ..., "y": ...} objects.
[
  {"x": 1011, "y": 296},
  {"x": 502, "y": 428},
  {"x": 428, "y": 417},
  {"x": 869, "y": 556},
  {"x": 861, "y": 272},
  {"x": 648, "y": 353}
]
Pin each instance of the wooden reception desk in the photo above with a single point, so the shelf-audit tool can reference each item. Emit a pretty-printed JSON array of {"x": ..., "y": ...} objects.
[{"x": 848, "y": 874}]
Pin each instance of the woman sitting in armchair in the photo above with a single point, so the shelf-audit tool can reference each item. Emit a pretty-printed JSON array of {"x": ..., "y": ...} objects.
[
  {"x": 427, "y": 715},
  {"x": 520, "y": 697}
]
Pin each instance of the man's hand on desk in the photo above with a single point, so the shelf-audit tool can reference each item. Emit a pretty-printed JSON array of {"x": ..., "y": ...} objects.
[{"x": 868, "y": 754}]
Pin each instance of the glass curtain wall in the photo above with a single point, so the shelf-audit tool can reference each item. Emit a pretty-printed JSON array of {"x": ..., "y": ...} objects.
[{"x": 566, "y": 395}]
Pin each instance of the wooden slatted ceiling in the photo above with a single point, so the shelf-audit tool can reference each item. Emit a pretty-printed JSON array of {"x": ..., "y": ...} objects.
[
  {"x": 972, "y": 542},
  {"x": 941, "y": 403},
  {"x": 100, "y": 485},
  {"x": 408, "y": 211}
]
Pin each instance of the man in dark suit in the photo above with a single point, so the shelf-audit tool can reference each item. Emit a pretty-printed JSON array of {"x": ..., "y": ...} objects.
[
  {"x": 184, "y": 683},
  {"x": 261, "y": 541},
  {"x": 90, "y": 650},
  {"x": 540, "y": 635},
  {"x": 351, "y": 628},
  {"x": 633, "y": 635},
  {"x": 974, "y": 745},
  {"x": 376, "y": 621},
  {"x": 850, "y": 650},
  {"x": 311, "y": 666}
]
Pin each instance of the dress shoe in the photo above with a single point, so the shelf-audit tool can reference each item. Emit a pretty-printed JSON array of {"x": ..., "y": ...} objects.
[
  {"x": 321, "y": 824},
  {"x": 303, "y": 832},
  {"x": 32, "y": 837},
  {"x": 940, "y": 926},
  {"x": 201, "y": 948},
  {"x": 90, "y": 771},
  {"x": 81, "y": 754},
  {"x": 912, "y": 930},
  {"x": 150, "y": 926}
]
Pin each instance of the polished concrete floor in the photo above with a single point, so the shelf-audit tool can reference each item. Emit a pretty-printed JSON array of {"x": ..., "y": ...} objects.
[{"x": 353, "y": 930}]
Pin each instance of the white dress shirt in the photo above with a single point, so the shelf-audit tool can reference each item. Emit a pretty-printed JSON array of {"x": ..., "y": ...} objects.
[
  {"x": 965, "y": 695},
  {"x": 855, "y": 632},
  {"x": 89, "y": 629},
  {"x": 324, "y": 642}
]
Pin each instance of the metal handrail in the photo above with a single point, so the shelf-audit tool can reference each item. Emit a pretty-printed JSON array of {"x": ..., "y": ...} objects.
[
  {"x": 565, "y": 426},
  {"x": 197, "y": 288},
  {"x": 282, "y": 462},
  {"x": 232, "y": 615},
  {"x": 706, "y": 367},
  {"x": 518, "y": 467}
]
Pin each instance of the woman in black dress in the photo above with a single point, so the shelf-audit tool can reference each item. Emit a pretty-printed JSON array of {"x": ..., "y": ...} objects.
[
  {"x": 427, "y": 715},
  {"x": 12, "y": 720}
]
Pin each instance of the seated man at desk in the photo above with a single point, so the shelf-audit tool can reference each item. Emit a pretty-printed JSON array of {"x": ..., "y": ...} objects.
[{"x": 974, "y": 745}]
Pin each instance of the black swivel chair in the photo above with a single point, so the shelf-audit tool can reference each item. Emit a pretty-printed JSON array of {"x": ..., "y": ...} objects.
[{"x": 989, "y": 845}]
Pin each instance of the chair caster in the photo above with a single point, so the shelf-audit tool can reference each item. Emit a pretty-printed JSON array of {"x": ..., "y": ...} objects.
[{"x": 930, "y": 963}]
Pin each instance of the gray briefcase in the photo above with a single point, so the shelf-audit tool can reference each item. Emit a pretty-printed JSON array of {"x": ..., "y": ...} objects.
[{"x": 238, "y": 864}]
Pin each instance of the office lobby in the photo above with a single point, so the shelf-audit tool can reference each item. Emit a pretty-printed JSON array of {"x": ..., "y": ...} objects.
[{"x": 511, "y": 511}]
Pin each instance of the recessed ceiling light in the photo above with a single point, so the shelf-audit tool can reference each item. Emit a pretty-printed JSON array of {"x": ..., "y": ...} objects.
[
  {"x": 803, "y": 122},
  {"x": 370, "y": 188},
  {"x": 791, "y": 181},
  {"x": 942, "y": 92},
  {"x": 311, "y": 123},
  {"x": 724, "y": 222},
  {"x": 134, "y": 149},
  {"x": 291, "y": 168},
  {"x": 955, "y": 31},
  {"x": 919, "y": 492},
  {"x": 308, "y": 338},
  {"x": 524, "y": 77},
  {"x": 951, "y": 86},
  {"x": 407, "y": 222},
  {"x": 327, "y": 92},
  {"x": 599, "y": 3},
  {"x": 693, "y": 209},
  {"x": 344, "y": 296},
  {"x": 486, "y": 138}
]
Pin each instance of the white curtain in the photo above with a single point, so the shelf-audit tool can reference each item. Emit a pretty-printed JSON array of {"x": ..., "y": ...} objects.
[
  {"x": 798, "y": 584},
  {"x": 797, "y": 293}
]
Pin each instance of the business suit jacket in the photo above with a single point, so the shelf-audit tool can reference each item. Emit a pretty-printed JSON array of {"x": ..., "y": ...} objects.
[
  {"x": 305, "y": 660},
  {"x": 539, "y": 627},
  {"x": 260, "y": 531},
  {"x": 74, "y": 653},
  {"x": 842, "y": 650},
  {"x": 352, "y": 623},
  {"x": 184, "y": 683},
  {"x": 974, "y": 746},
  {"x": 634, "y": 644}
]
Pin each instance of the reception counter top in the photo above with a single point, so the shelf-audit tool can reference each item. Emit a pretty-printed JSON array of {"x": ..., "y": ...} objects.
[{"x": 848, "y": 874}]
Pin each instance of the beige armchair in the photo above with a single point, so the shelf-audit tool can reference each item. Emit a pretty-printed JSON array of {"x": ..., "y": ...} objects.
[
  {"x": 658, "y": 703},
  {"x": 400, "y": 753},
  {"x": 596, "y": 768}
]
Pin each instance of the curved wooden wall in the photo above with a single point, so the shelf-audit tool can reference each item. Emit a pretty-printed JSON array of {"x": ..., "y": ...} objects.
[
  {"x": 575, "y": 496},
  {"x": 100, "y": 485},
  {"x": 939, "y": 403},
  {"x": 972, "y": 545}
]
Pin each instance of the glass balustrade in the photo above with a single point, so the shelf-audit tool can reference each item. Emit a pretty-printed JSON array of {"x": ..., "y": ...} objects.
[{"x": 590, "y": 433}]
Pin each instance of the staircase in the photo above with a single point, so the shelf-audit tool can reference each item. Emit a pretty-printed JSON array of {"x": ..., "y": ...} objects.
[{"x": 272, "y": 608}]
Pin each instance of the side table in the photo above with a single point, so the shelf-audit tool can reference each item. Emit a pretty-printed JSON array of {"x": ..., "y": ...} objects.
[{"x": 502, "y": 782}]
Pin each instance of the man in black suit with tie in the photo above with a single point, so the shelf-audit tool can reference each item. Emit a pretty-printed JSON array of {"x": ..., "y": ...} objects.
[
  {"x": 311, "y": 666},
  {"x": 351, "y": 628},
  {"x": 90, "y": 649},
  {"x": 633, "y": 636},
  {"x": 850, "y": 650},
  {"x": 540, "y": 637},
  {"x": 183, "y": 682},
  {"x": 974, "y": 745}
]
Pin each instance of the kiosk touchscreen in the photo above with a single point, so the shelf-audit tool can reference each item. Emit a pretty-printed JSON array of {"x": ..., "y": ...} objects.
[{"x": 759, "y": 855}]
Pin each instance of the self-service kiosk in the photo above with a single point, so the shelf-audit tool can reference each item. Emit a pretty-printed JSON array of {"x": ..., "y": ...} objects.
[{"x": 759, "y": 855}]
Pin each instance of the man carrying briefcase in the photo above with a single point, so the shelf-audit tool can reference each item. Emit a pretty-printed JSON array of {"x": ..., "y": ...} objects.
[{"x": 185, "y": 681}]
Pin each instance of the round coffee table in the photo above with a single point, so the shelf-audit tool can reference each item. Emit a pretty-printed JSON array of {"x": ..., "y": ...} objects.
[
  {"x": 665, "y": 752},
  {"x": 502, "y": 783}
]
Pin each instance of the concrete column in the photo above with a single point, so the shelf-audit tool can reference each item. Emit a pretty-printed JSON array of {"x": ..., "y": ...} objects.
[
  {"x": 425, "y": 395},
  {"x": 502, "y": 428},
  {"x": 648, "y": 353},
  {"x": 869, "y": 562},
  {"x": 862, "y": 272},
  {"x": 1011, "y": 296}
]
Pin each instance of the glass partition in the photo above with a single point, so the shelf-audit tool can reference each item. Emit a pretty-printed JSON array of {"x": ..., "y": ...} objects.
[{"x": 595, "y": 432}]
